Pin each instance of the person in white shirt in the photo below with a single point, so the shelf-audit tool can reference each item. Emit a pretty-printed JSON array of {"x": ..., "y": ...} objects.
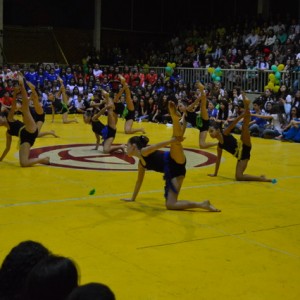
[
  {"x": 276, "y": 122},
  {"x": 96, "y": 71},
  {"x": 252, "y": 40}
]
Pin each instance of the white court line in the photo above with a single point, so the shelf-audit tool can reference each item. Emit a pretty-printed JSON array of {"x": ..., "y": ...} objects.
[
  {"x": 120, "y": 195},
  {"x": 39, "y": 202}
]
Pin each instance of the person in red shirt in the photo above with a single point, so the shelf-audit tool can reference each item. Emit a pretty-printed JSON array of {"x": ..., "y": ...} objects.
[
  {"x": 135, "y": 79},
  {"x": 6, "y": 102},
  {"x": 151, "y": 77},
  {"x": 126, "y": 74},
  {"x": 115, "y": 80}
]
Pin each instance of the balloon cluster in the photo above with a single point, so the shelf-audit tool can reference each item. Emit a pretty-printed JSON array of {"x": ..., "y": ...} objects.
[
  {"x": 170, "y": 69},
  {"x": 215, "y": 73},
  {"x": 274, "y": 78}
]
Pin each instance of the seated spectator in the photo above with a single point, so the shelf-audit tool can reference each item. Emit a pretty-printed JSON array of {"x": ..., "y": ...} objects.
[
  {"x": 296, "y": 82},
  {"x": 296, "y": 99},
  {"x": 151, "y": 77},
  {"x": 270, "y": 39},
  {"x": 276, "y": 122},
  {"x": 212, "y": 110},
  {"x": 291, "y": 131},
  {"x": 233, "y": 113},
  {"x": 16, "y": 266},
  {"x": 257, "y": 124},
  {"x": 251, "y": 76},
  {"x": 53, "y": 277},
  {"x": 282, "y": 36},
  {"x": 92, "y": 291},
  {"x": 284, "y": 98},
  {"x": 6, "y": 102},
  {"x": 251, "y": 40},
  {"x": 32, "y": 75}
]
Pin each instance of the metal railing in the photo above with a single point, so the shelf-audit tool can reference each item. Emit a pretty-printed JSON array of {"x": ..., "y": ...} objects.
[{"x": 247, "y": 80}]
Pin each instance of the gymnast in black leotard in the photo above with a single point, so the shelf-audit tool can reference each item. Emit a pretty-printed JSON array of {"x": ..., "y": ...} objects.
[
  {"x": 27, "y": 130},
  {"x": 170, "y": 163},
  {"x": 60, "y": 105},
  {"x": 130, "y": 115},
  {"x": 199, "y": 120},
  {"x": 107, "y": 132},
  {"x": 238, "y": 148},
  {"x": 37, "y": 112}
]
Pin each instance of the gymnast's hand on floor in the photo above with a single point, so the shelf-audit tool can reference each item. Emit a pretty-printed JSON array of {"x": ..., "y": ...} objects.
[{"x": 127, "y": 199}]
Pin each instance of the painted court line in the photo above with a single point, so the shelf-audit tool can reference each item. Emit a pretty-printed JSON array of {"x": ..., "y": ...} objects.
[
  {"x": 39, "y": 202},
  {"x": 234, "y": 235}
]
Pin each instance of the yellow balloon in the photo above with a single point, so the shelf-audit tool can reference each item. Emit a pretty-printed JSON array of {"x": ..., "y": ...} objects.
[
  {"x": 271, "y": 76},
  {"x": 276, "y": 88},
  {"x": 280, "y": 67},
  {"x": 210, "y": 70},
  {"x": 271, "y": 85}
]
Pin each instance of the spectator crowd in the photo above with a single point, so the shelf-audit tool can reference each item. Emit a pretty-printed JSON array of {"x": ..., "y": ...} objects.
[{"x": 255, "y": 46}]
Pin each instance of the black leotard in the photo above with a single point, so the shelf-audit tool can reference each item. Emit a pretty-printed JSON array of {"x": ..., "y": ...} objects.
[
  {"x": 235, "y": 147},
  {"x": 162, "y": 162}
]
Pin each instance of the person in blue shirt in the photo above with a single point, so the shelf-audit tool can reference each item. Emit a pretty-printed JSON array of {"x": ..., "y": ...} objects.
[
  {"x": 257, "y": 125},
  {"x": 32, "y": 75}
]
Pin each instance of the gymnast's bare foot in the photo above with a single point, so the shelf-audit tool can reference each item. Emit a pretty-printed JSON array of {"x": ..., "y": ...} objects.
[
  {"x": 175, "y": 115},
  {"x": 265, "y": 179},
  {"x": 104, "y": 94},
  {"x": 46, "y": 161},
  {"x": 123, "y": 148},
  {"x": 200, "y": 86},
  {"x": 54, "y": 134},
  {"x": 122, "y": 79},
  {"x": 246, "y": 101},
  {"x": 208, "y": 206}
]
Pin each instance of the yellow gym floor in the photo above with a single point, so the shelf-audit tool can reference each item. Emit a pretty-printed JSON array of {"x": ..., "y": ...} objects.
[{"x": 251, "y": 250}]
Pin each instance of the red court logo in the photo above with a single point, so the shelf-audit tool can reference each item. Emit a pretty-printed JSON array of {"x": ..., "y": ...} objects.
[{"x": 83, "y": 156}]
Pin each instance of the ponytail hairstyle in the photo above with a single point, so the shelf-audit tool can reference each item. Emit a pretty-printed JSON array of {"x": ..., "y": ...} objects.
[{"x": 140, "y": 141}]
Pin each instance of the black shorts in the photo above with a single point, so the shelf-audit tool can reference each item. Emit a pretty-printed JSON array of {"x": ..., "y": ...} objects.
[
  {"x": 205, "y": 125},
  {"x": 130, "y": 115},
  {"x": 28, "y": 137},
  {"x": 119, "y": 108},
  {"x": 244, "y": 152},
  {"x": 176, "y": 169},
  {"x": 172, "y": 170},
  {"x": 111, "y": 132},
  {"x": 39, "y": 118}
]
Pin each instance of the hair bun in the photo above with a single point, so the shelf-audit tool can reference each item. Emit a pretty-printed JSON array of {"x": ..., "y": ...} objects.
[{"x": 144, "y": 140}]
